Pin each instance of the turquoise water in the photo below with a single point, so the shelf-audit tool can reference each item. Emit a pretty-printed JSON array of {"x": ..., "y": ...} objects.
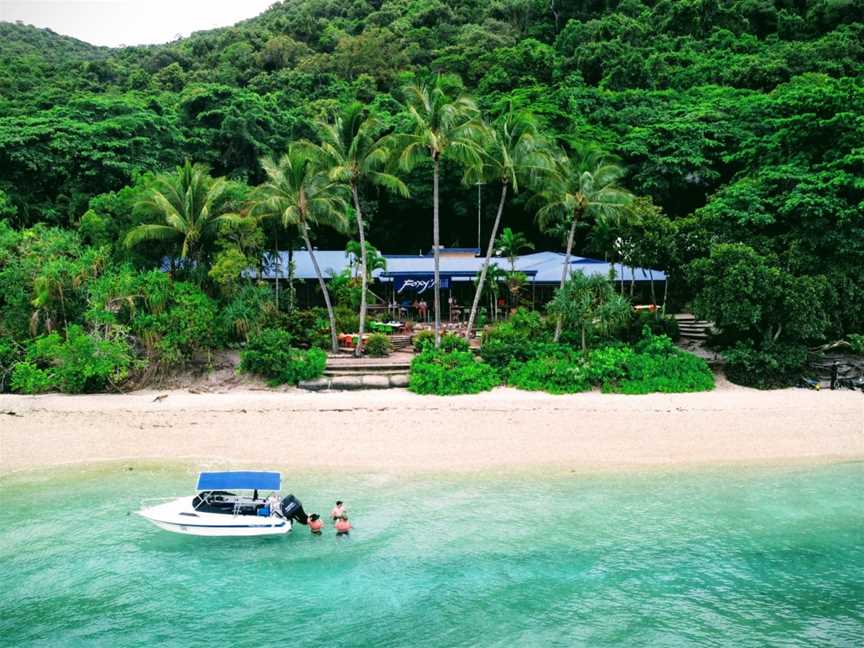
[{"x": 724, "y": 557}]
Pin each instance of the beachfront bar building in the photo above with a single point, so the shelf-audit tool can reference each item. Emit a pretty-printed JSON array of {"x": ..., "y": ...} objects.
[{"x": 408, "y": 278}]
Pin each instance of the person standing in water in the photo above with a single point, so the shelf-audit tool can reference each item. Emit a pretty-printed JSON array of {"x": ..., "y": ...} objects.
[
  {"x": 338, "y": 510},
  {"x": 343, "y": 526},
  {"x": 315, "y": 524}
]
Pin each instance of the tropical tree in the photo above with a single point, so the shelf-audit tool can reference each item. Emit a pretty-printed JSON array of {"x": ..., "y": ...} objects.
[
  {"x": 585, "y": 185},
  {"x": 511, "y": 244},
  {"x": 589, "y": 305},
  {"x": 513, "y": 153},
  {"x": 300, "y": 195},
  {"x": 354, "y": 150},
  {"x": 187, "y": 205},
  {"x": 443, "y": 128}
]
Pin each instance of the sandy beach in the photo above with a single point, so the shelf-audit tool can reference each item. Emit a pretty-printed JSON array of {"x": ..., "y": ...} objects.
[{"x": 395, "y": 430}]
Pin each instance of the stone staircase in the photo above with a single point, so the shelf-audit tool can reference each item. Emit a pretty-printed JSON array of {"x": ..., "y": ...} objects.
[
  {"x": 344, "y": 371},
  {"x": 400, "y": 342},
  {"x": 693, "y": 329}
]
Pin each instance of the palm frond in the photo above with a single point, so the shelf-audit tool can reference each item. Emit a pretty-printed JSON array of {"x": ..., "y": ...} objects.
[{"x": 143, "y": 233}]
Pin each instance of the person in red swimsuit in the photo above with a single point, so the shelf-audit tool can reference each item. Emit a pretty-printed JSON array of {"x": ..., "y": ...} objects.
[
  {"x": 315, "y": 524},
  {"x": 343, "y": 526}
]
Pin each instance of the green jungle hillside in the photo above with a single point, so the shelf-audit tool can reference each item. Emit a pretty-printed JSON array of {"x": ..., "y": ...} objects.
[{"x": 739, "y": 126}]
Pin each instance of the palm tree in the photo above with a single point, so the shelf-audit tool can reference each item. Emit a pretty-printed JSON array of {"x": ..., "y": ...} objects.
[
  {"x": 443, "y": 128},
  {"x": 511, "y": 243},
  {"x": 300, "y": 195},
  {"x": 187, "y": 203},
  {"x": 514, "y": 152},
  {"x": 353, "y": 150},
  {"x": 584, "y": 186}
]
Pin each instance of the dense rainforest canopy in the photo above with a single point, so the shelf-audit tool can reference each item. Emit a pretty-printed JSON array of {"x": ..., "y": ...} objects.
[{"x": 740, "y": 124}]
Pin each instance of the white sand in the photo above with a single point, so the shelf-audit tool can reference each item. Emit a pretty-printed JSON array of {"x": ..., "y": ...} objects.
[{"x": 394, "y": 430}]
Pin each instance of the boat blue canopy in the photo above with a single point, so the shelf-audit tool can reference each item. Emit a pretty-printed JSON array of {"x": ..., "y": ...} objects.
[{"x": 240, "y": 480}]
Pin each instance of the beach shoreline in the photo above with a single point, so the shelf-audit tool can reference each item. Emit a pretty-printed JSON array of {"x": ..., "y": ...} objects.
[{"x": 400, "y": 432}]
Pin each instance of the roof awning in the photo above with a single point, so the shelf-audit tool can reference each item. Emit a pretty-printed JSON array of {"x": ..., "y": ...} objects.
[{"x": 240, "y": 480}]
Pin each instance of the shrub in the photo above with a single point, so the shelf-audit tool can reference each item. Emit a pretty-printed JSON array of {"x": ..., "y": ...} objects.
[
  {"x": 518, "y": 339},
  {"x": 659, "y": 366},
  {"x": 589, "y": 308},
  {"x": 657, "y": 323},
  {"x": 271, "y": 355},
  {"x": 457, "y": 372},
  {"x": 347, "y": 320},
  {"x": 10, "y": 354},
  {"x": 561, "y": 374},
  {"x": 27, "y": 378},
  {"x": 673, "y": 373},
  {"x": 176, "y": 320},
  {"x": 247, "y": 313},
  {"x": 308, "y": 328},
  {"x": 778, "y": 365},
  {"x": 378, "y": 345},
  {"x": 423, "y": 341},
  {"x": 856, "y": 342},
  {"x": 79, "y": 363},
  {"x": 608, "y": 364},
  {"x": 451, "y": 342}
]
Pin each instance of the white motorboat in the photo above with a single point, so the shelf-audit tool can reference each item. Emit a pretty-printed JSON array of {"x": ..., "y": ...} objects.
[{"x": 230, "y": 504}]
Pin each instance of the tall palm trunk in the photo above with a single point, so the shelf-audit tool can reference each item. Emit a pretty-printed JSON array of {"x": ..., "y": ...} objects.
[
  {"x": 565, "y": 271},
  {"x": 334, "y": 344},
  {"x": 278, "y": 264},
  {"x": 435, "y": 236},
  {"x": 292, "y": 293},
  {"x": 489, "y": 250},
  {"x": 359, "y": 349}
]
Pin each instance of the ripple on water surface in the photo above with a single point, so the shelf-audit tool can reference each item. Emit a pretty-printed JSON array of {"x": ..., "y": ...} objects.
[{"x": 743, "y": 557}]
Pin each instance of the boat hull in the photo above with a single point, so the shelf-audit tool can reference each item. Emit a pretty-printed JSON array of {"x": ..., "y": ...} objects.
[{"x": 178, "y": 516}]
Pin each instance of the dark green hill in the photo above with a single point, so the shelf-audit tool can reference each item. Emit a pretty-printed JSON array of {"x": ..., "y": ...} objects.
[
  {"x": 721, "y": 109},
  {"x": 20, "y": 40}
]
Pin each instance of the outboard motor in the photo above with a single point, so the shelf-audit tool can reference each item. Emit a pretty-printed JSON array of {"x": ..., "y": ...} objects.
[{"x": 292, "y": 509}]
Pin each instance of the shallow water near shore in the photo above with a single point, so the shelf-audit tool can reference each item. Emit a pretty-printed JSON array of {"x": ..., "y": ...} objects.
[{"x": 726, "y": 556}]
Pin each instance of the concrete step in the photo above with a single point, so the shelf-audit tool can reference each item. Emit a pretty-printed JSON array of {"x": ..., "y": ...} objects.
[
  {"x": 356, "y": 382},
  {"x": 694, "y": 329},
  {"x": 366, "y": 367},
  {"x": 398, "y": 371}
]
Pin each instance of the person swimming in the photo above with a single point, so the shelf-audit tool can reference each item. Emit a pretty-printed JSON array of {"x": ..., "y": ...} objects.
[
  {"x": 343, "y": 526},
  {"x": 338, "y": 510},
  {"x": 315, "y": 524}
]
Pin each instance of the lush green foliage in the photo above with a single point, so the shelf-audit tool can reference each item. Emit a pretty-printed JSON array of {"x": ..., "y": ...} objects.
[
  {"x": 856, "y": 343},
  {"x": 75, "y": 364},
  {"x": 271, "y": 355},
  {"x": 516, "y": 340},
  {"x": 557, "y": 373},
  {"x": 659, "y": 366},
  {"x": 748, "y": 298},
  {"x": 247, "y": 313},
  {"x": 455, "y": 372},
  {"x": 768, "y": 367},
  {"x": 652, "y": 365},
  {"x": 378, "y": 345},
  {"x": 738, "y": 124},
  {"x": 589, "y": 307},
  {"x": 425, "y": 340}
]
